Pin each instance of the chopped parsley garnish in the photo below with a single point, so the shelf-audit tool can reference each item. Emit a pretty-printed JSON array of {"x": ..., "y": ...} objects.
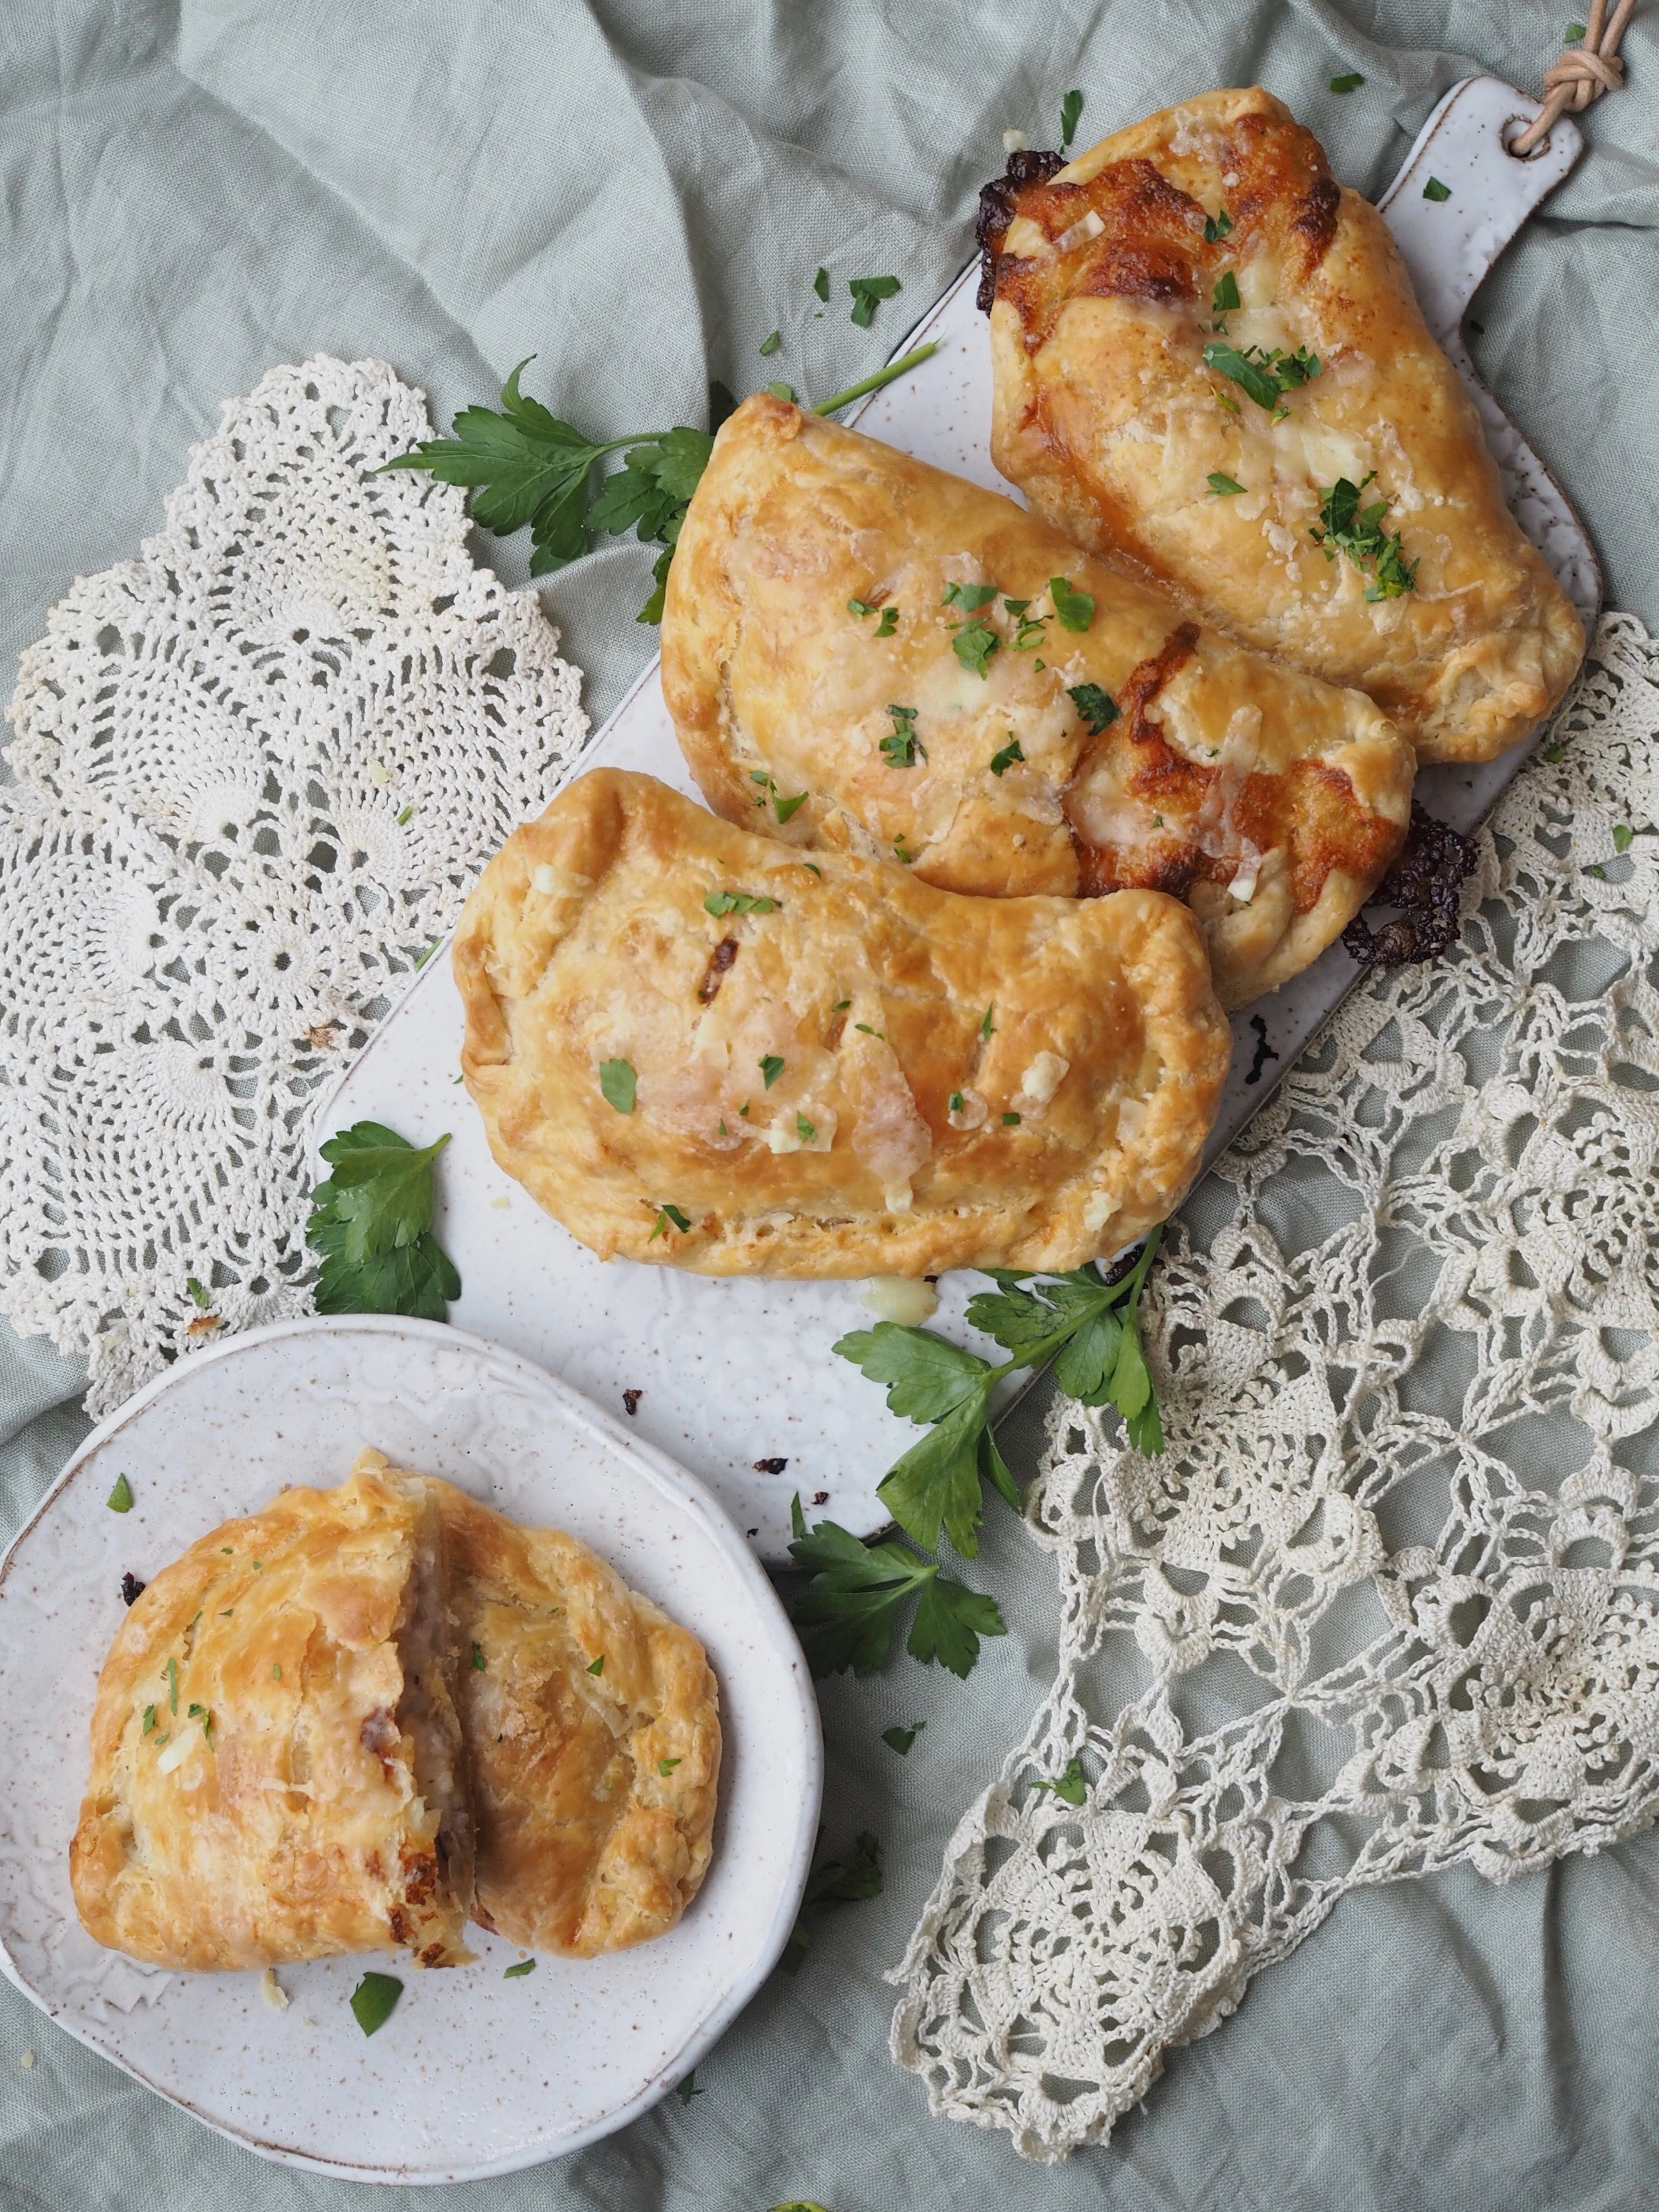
[
  {"x": 687, "y": 2089},
  {"x": 1084, "y": 1324},
  {"x": 201, "y": 1713},
  {"x": 955, "y": 1101},
  {"x": 149, "y": 1719},
  {"x": 372, "y": 1222},
  {"x": 770, "y": 345},
  {"x": 771, "y": 1067},
  {"x": 901, "y": 1739},
  {"x": 1351, "y": 82},
  {"x": 479, "y": 1659},
  {"x": 1434, "y": 190},
  {"x": 1076, "y": 610},
  {"x": 836, "y": 1883},
  {"x": 373, "y": 2001},
  {"x": 1070, "y": 109},
  {"x": 1345, "y": 527},
  {"x": 889, "y": 616},
  {"x": 970, "y": 598},
  {"x": 1010, "y": 1121},
  {"x": 841, "y": 1005},
  {"x": 783, "y": 808},
  {"x": 719, "y": 903},
  {"x": 868, "y": 1031},
  {"x": 1218, "y": 226},
  {"x": 1574, "y": 31},
  {"x": 821, "y": 285},
  {"x": 1623, "y": 837},
  {"x": 988, "y": 1027},
  {"x": 276, "y": 1673},
  {"x": 120, "y": 1498},
  {"x": 803, "y": 1129},
  {"x": 1225, "y": 297},
  {"x": 1224, "y": 485},
  {"x": 901, "y": 747},
  {"x": 200, "y": 1297},
  {"x": 974, "y": 644},
  {"x": 1264, "y": 374},
  {"x": 1097, "y": 706},
  {"x": 1070, "y": 1786},
  {"x": 782, "y": 392},
  {"x": 618, "y": 1083},
  {"x": 1002, "y": 761},
  {"x": 515, "y": 1973},
  {"x": 598, "y": 1667},
  {"x": 669, "y": 1216},
  {"x": 868, "y": 292},
  {"x": 903, "y": 853},
  {"x": 666, "y": 1767},
  {"x": 812, "y": 865},
  {"x": 170, "y": 1675}
]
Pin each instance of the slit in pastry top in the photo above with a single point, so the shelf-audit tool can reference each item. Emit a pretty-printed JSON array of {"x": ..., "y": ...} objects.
[
  {"x": 1210, "y": 367},
  {"x": 887, "y": 1078},
  {"x": 863, "y": 653}
]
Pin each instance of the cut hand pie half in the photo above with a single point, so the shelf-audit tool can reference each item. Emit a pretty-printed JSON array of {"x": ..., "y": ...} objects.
[
  {"x": 592, "y": 1726},
  {"x": 703, "y": 1048},
  {"x": 1210, "y": 365},
  {"x": 276, "y": 1769},
  {"x": 863, "y": 653}
]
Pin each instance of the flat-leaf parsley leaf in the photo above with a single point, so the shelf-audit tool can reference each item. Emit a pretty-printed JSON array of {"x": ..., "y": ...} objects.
[
  {"x": 371, "y": 1221},
  {"x": 617, "y": 1083}
]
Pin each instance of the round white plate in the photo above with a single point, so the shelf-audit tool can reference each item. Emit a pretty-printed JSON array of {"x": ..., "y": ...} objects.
[{"x": 472, "y": 2075}]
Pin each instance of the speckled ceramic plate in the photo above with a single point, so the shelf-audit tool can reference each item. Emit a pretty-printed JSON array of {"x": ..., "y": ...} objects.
[
  {"x": 473, "y": 2074},
  {"x": 736, "y": 1377}
]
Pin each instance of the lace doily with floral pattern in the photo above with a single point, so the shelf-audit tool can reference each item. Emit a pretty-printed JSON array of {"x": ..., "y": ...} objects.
[
  {"x": 1390, "y": 1599},
  {"x": 256, "y": 772}
]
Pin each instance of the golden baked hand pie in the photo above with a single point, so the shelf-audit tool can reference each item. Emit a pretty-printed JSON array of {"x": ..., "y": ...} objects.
[
  {"x": 593, "y": 1730},
  {"x": 699, "y": 1047},
  {"x": 1210, "y": 364},
  {"x": 862, "y": 652},
  {"x": 275, "y": 1756}
]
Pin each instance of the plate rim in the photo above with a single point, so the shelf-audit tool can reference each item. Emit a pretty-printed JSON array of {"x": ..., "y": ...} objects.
[{"x": 663, "y": 1472}]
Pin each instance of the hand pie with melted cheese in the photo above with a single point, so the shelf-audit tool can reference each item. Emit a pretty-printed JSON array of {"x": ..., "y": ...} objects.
[
  {"x": 1005, "y": 746},
  {"x": 277, "y": 1768},
  {"x": 593, "y": 1730},
  {"x": 698, "y": 1047},
  {"x": 1108, "y": 283}
]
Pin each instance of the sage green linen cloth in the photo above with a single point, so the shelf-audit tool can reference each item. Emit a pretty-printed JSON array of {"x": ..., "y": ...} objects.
[{"x": 638, "y": 191}]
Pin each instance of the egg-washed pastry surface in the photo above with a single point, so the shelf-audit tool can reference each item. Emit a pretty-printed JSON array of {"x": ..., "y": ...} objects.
[
  {"x": 593, "y": 1727},
  {"x": 864, "y": 654},
  {"x": 699, "y": 1047},
  {"x": 277, "y": 1768},
  {"x": 1210, "y": 363}
]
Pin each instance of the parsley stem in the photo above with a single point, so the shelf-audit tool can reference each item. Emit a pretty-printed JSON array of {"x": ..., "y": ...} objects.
[{"x": 894, "y": 368}]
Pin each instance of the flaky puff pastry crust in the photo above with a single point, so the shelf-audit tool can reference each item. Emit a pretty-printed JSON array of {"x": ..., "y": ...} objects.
[
  {"x": 271, "y": 1711},
  {"x": 795, "y": 1069},
  {"x": 1106, "y": 416},
  {"x": 593, "y": 1728},
  {"x": 1271, "y": 802}
]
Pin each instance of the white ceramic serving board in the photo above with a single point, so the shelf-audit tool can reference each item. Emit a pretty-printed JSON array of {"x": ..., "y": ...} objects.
[
  {"x": 732, "y": 1373},
  {"x": 472, "y": 2075}
]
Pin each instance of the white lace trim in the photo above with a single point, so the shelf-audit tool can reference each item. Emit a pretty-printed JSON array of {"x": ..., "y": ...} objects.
[
  {"x": 1329, "y": 1692},
  {"x": 257, "y": 770}
]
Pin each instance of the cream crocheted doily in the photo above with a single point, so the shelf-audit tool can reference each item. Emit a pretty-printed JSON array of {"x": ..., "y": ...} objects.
[
  {"x": 1390, "y": 1599},
  {"x": 257, "y": 771}
]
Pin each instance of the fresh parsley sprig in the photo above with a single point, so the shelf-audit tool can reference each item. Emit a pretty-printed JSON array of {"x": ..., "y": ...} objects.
[
  {"x": 1084, "y": 1321},
  {"x": 838, "y": 1881},
  {"x": 372, "y": 1222},
  {"x": 848, "y": 1614},
  {"x": 1357, "y": 531},
  {"x": 524, "y": 464}
]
